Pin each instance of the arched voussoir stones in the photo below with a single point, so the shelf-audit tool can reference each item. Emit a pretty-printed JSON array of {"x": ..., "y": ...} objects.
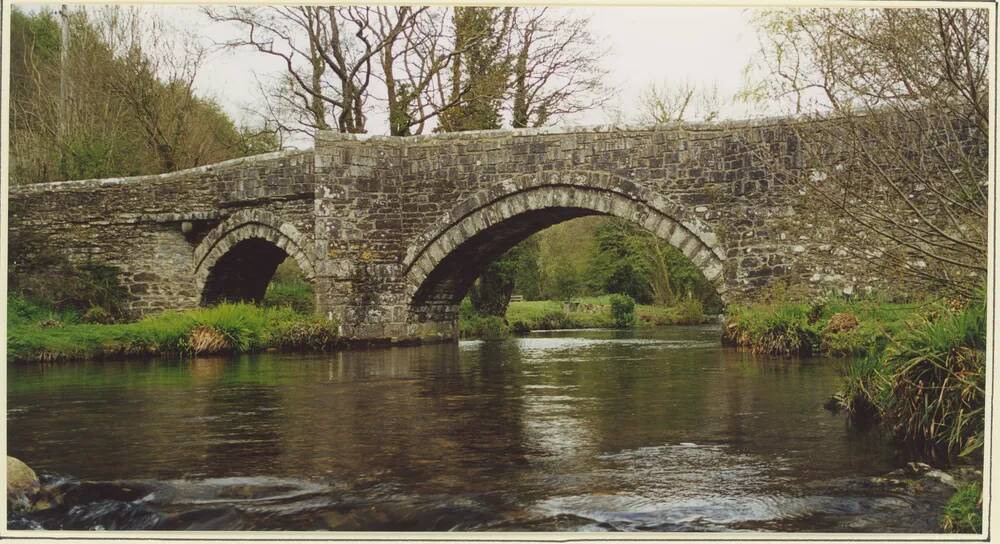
[
  {"x": 246, "y": 225},
  {"x": 594, "y": 192}
]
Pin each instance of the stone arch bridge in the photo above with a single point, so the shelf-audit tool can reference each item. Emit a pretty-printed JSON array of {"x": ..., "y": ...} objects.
[{"x": 392, "y": 231}]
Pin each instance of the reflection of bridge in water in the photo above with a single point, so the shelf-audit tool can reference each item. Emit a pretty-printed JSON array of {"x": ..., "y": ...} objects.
[{"x": 393, "y": 231}]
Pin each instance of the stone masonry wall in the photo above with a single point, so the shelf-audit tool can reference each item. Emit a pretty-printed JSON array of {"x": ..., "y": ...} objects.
[
  {"x": 392, "y": 231},
  {"x": 138, "y": 224}
]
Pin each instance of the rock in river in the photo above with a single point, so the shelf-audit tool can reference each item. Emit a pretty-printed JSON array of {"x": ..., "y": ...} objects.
[{"x": 22, "y": 484}]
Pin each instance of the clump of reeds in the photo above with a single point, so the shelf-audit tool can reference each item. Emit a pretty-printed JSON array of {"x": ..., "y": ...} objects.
[{"x": 927, "y": 384}]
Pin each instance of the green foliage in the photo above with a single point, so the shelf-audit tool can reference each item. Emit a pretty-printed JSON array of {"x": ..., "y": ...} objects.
[
  {"x": 491, "y": 293},
  {"x": 296, "y": 294},
  {"x": 474, "y": 325},
  {"x": 482, "y": 69},
  {"x": 123, "y": 118},
  {"x": 777, "y": 329},
  {"x": 964, "y": 511},
  {"x": 936, "y": 368},
  {"x": 927, "y": 383},
  {"x": 630, "y": 260},
  {"x": 785, "y": 328},
  {"x": 623, "y": 311},
  {"x": 243, "y": 327},
  {"x": 691, "y": 310},
  {"x": 920, "y": 369},
  {"x": 616, "y": 265}
]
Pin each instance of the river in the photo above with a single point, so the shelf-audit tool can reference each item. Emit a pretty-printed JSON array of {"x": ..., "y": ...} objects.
[{"x": 660, "y": 430}]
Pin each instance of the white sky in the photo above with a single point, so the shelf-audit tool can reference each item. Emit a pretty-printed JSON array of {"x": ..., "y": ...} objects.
[{"x": 701, "y": 45}]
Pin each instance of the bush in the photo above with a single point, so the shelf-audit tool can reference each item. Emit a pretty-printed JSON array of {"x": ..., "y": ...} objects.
[
  {"x": 492, "y": 327},
  {"x": 623, "y": 311},
  {"x": 782, "y": 329},
  {"x": 964, "y": 511},
  {"x": 690, "y": 311},
  {"x": 520, "y": 328},
  {"x": 554, "y": 320}
]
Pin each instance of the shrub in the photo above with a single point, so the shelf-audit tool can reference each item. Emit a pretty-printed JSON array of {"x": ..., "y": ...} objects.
[
  {"x": 782, "y": 329},
  {"x": 623, "y": 311},
  {"x": 492, "y": 327},
  {"x": 927, "y": 383},
  {"x": 690, "y": 311},
  {"x": 317, "y": 335},
  {"x": 520, "y": 328},
  {"x": 49, "y": 279},
  {"x": 554, "y": 320},
  {"x": 205, "y": 339},
  {"x": 964, "y": 511}
]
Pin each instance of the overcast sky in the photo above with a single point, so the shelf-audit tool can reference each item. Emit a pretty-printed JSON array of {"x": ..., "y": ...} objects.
[{"x": 701, "y": 45}]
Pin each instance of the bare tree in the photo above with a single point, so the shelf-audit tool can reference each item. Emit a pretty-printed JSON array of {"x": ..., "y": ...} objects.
[
  {"x": 415, "y": 64},
  {"x": 669, "y": 103},
  {"x": 556, "y": 67},
  {"x": 904, "y": 95},
  {"x": 151, "y": 51},
  {"x": 329, "y": 53}
]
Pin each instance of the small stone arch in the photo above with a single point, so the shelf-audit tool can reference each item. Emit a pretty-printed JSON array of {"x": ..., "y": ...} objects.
[
  {"x": 251, "y": 225},
  {"x": 551, "y": 194}
]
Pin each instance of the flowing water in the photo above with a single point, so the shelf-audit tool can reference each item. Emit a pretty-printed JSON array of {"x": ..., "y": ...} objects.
[{"x": 574, "y": 430}]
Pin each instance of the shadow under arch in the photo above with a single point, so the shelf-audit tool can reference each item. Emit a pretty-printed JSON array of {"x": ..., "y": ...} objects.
[
  {"x": 444, "y": 261},
  {"x": 236, "y": 260}
]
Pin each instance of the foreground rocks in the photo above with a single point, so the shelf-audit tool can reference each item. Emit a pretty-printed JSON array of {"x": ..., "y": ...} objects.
[{"x": 23, "y": 486}]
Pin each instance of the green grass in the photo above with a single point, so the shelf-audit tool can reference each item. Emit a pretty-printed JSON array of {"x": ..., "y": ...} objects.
[
  {"x": 964, "y": 511},
  {"x": 295, "y": 293},
  {"x": 933, "y": 375},
  {"x": 793, "y": 328},
  {"x": 32, "y": 335}
]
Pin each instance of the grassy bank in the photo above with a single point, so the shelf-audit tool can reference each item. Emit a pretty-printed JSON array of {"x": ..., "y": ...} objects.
[
  {"x": 827, "y": 327},
  {"x": 927, "y": 384},
  {"x": 582, "y": 313},
  {"x": 918, "y": 370},
  {"x": 38, "y": 334}
]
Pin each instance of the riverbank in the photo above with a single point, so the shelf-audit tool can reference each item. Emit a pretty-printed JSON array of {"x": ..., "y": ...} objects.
[
  {"x": 583, "y": 313},
  {"x": 36, "y": 334},
  {"x": 918, "y": 370}
]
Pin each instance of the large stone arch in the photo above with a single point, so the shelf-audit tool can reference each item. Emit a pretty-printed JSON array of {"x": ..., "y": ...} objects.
[
  {"x": 251, "y": 226},
  {"x": 528, "y": 203}
]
